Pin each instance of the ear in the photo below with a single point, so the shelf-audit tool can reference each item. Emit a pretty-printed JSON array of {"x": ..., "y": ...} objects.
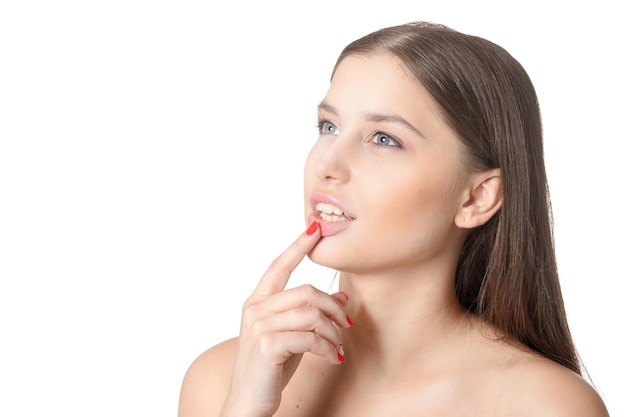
[{"x": 483, "y": 200}]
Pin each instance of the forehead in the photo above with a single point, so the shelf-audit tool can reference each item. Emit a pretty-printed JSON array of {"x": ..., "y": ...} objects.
[
  {"x": 379, "y": 71},
  {"x": 381, "y": 83}
]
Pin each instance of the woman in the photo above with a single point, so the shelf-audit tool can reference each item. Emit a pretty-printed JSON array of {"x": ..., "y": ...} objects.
[{"x": 427, "y": 190}]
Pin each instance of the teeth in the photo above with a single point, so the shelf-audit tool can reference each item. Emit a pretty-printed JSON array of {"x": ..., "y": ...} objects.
[
  {"x": 328, "y": 209},
  {"x": 330, "y": 213},
  {"x": 331, "y": 218}
]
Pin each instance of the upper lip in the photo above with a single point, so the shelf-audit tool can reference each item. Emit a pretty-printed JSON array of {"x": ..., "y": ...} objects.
[{"x": 325, "y": 198}]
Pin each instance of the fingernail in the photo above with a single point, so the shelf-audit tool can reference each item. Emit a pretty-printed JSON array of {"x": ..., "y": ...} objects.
[
  {"x": 312, "y": 228},
  {"x": 341, "y": 358},
  {"x": 350, "y": 322},
  {"x": 345, "y": 294}
]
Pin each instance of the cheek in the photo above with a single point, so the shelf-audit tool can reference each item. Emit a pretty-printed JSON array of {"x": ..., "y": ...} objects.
[
  {"x": 414, "y": 207},
  {"x": 310, "y": 180},
  {"x": 308, "y": 175}
]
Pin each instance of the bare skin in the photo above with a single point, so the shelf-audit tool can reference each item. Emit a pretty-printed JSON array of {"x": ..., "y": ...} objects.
[
  {"x": 464, "y": 371},
  {"x": 406, "y": 205}
]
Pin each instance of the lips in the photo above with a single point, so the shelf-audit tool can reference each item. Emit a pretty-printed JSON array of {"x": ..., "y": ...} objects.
[{"x": 330, "y": 213}]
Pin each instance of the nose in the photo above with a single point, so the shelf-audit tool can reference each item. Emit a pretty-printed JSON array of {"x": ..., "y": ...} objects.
[{"x": 332, "y": 159}]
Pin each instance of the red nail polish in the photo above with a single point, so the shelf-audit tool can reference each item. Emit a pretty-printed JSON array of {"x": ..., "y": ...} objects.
[
  {"x": 312, "y": 228},
  {"x": 341, "y": 358},
  {"x": 350, "y": 322}
]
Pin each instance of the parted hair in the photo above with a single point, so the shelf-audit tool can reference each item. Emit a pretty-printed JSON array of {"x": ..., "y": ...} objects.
[{"x": 507, "y": 272}]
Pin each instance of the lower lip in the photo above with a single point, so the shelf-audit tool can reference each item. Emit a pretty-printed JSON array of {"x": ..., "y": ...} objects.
[{"x": 329, "y": 228}]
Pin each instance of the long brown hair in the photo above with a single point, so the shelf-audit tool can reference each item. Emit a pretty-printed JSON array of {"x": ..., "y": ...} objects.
[{"x": 507, "y": 271}]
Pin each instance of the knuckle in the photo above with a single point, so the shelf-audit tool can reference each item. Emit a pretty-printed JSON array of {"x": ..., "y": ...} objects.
[
  {"x": 265, "y": 343},
  {"x": 250, "y": 311},
  {"x": 312, "y": 339},
  {"x": 308, "y": 290},
  {"x": 249, "y": 301},
  {"x": 313, "y": 314},
  {"x": 319, "y": 345},
  {"x": 247, "y": 305},
  {"x": 257, "y": 328}
]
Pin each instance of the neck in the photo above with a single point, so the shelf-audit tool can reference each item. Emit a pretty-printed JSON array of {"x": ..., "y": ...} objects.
[{"x": 400, "y": 317}]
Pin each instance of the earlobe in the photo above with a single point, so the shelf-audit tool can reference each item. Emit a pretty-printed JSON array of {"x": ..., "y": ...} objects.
[{"x": 483, "y": 200}]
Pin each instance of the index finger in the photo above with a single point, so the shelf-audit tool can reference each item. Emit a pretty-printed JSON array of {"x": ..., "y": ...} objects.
[{"x": 277, "y": 275}]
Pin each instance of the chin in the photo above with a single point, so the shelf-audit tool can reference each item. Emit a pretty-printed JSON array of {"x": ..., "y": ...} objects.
[{"x": 329, "y": 256}]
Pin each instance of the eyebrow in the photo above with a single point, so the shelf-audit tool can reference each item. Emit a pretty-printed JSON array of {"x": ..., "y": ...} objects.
[{"x": 376, "y": 117}]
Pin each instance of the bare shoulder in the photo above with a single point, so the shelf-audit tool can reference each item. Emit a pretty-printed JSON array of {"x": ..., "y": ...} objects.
[
  {"x": 544, "y": 388},
  {"x": 206, "y": 381}
]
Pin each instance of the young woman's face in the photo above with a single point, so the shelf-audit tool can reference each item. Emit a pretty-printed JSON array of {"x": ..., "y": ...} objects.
[{"x": 385, "y": 177}]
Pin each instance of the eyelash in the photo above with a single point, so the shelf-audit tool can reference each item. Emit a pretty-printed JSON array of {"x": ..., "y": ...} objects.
[
  {"x": 389, "y": 137},
  {"x": 322, "y": 123}
]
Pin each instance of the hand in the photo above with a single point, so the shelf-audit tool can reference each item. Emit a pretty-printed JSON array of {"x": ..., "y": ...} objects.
[{"x": 278, "y": 326}]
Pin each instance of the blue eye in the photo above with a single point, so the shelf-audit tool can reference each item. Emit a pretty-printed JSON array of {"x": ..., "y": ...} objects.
[
  {"x": 384, "y": 139},
  {"x": 327, "y": 128}
]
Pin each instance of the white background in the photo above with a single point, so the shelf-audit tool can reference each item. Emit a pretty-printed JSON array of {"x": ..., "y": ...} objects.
[{"x": 150, "y": 169}]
